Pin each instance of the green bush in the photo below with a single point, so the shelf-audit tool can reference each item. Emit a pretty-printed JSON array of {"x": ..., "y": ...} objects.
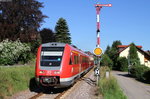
[
  {"x": 25, "y": 57},
  {"x": 15, "y": 79},
  {"x": 122, "y": 64},
  {"x": 106, "y": 61},
  {"x": 138, "y": 71},
  {"x": 13, "y": 51},
  {"x": 147, "y": 76}
]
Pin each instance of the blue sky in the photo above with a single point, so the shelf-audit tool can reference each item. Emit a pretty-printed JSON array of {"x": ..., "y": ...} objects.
[{"x": 127, "y": 21}]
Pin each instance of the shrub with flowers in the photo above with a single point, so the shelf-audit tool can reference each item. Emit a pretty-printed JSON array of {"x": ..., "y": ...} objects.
[{"x": 12, "y": 52}]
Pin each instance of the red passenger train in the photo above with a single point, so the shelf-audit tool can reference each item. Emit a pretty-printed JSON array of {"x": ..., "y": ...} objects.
[{"x": 59, "y": 64}]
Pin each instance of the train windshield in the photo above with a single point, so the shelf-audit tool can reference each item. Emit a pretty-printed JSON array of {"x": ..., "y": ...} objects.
[{"x": 51, "y": 56}]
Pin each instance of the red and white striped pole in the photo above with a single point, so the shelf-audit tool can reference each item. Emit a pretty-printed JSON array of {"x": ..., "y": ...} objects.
[
  {"x": 98, "y": 50},
  {"x": 98, "y": 25},
  {"x": 98, "y": 8}
]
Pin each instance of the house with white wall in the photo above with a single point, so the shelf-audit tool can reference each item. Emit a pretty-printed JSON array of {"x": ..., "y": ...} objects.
[{"x": 123, "y": 51}]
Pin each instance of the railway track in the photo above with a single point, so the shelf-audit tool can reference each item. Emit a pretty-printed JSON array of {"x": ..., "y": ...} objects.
[
  {"x": 58, "y": 93},
  {"x": 50, "y": 94},
  {"x": 36, "y": 96}
]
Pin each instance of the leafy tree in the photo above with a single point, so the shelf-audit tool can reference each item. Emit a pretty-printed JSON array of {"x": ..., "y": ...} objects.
[
  {"x": 62, "y": 31},
  {"x": 20, "y": 19},
  {"x": 47, "y": 35},
  {"x": 133, "y": 56},
  {"x": 106, "y": 61}
]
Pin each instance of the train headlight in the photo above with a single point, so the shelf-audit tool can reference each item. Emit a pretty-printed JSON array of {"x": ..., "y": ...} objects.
[
  {"x": 56, "y": 72},
  {"x": 41, "y": 72}
]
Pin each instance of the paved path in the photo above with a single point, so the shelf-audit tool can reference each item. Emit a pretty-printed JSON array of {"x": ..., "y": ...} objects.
[{"x": 132, "y": 88}]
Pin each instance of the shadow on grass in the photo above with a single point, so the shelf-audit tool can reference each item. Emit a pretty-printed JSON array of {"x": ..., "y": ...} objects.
[{"x": 46, "y": 90}]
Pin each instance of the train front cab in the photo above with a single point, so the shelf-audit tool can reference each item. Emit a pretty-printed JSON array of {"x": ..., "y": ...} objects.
[{"x": 48, "y": 64}]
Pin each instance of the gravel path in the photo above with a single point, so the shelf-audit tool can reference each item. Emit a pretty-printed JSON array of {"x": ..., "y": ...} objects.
[
  {"x": 133, "y": 89},
  {"x": 84, "y": 89}
]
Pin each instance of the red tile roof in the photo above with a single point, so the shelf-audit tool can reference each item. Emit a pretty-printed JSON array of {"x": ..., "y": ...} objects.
[
  {"x": 124, "y": 46},
  {"x": 138, "y": 47}
]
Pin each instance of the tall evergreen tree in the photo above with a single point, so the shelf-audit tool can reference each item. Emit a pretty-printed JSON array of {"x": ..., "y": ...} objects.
[
  {"x": 62, "y": 31},
  {"x": 47, "y": 35},
  {"x": 133, "y": 56},
  {"x": 116, "y": 43},
  {"x": 107, "y": 50},
  {"x": 20, "y": 19}
]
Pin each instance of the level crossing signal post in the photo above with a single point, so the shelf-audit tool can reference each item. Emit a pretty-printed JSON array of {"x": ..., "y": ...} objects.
[{"x": 98, "y": 51}]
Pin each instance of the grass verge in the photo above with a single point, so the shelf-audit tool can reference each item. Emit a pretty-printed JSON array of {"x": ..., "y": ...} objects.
[
  {"x": 14, "y": 79},
  {"x": 109, "y": 87}
]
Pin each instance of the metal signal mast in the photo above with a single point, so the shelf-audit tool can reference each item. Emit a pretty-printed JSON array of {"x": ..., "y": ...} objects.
[
  {"x": 98, "y": 8},
  {"x": 98, "y": 50}
]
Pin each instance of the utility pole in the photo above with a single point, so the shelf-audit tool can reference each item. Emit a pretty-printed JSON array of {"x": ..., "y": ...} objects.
[{"x": 98, "y": 51}]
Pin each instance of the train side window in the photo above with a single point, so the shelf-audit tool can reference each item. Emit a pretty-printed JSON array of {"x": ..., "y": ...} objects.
[
  {"x": 71, "y": 59},
  {"x": 76, "y": 59},
  {"x": 86, "y": 60},
  {"x": 74, "y": 62},
  {"x": 80, "y": 59},
  {"x": 83, "y": 60},
  {"x": 70, "y": 62}
]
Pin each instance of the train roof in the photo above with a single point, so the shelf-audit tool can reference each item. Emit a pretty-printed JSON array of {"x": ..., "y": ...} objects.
[
  {"x": 53, "y": 44},
  {"x": 58, "y": 44}
]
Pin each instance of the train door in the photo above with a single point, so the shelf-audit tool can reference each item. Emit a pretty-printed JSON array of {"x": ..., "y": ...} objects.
[
  {"x": 81, "y": 65},
  {"x": 75, "y": 63}
]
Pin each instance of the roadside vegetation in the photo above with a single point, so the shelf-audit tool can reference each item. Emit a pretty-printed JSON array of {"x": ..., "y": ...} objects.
[
  {"x": 108, "y": 86},
  {"x": 137, "y": 70},
  {"x": 14, "y": 52},
  {"x": 141, "y": 72},
  {"x": 131, "y": 63},
  {"x": 14, "y": 79}
]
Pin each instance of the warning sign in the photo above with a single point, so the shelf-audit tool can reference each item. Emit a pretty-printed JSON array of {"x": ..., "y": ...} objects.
[{"x": 98, "y": 51}]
